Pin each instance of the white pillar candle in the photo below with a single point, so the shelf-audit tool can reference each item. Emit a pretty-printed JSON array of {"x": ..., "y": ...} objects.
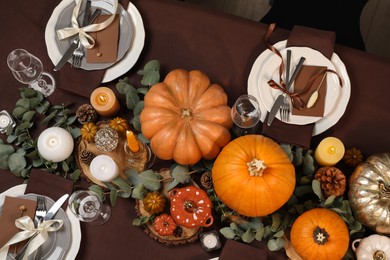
[
  {"x": 104, "y": 168},
  {"x": 55, "y": 144}
]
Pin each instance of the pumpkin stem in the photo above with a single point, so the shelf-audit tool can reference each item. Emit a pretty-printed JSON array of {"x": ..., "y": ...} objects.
[
  {"x": 256, "y": 167},
  {"x": 186, "y": 113},
  {"x": 379, "y": 255},
  {"x": 320, "y": 236},
  {"x": 384, "y": 190}
]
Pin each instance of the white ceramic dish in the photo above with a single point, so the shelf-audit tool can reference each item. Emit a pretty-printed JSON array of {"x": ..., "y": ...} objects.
[
  {"x": 341, "y": 103},
  {"x": 120, "y": 67},
  {"x": 270, "y": 70},
  {"x": 19, "y": 190},
  {"x": 125, "y": 31}
]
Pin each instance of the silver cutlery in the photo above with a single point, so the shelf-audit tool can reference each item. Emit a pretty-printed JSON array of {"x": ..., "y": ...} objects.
[
  {"x": 40, "y": 213},
  {"x": 69, "y": 52},
  {"x": 78, "y": 53},
  {"x": 49, "y": 215},
  {"x": 279, "y": 100},
  {"x": 285, "y": 106}
]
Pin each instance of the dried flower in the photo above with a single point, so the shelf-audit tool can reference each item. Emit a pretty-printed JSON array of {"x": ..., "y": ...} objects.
[{"x": 206, "y": 180}]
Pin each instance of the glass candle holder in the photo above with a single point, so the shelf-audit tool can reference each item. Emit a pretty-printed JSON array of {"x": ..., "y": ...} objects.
[
  {"x": 210, "y": 240},
  {"x": 6, "y": 121},
  {"x": 141, "y": 158},
  {"x": 106, "y": 139}
]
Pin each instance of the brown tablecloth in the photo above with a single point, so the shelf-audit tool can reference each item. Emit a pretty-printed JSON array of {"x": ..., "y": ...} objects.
[{"x": 181, "y": 35}]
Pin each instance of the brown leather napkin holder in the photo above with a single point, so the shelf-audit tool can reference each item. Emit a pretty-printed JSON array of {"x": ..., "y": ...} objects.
[{"x": 11, "y": 211}]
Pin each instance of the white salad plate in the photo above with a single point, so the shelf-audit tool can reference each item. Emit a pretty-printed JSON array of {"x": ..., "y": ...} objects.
[{"x": 332, "y": 113}]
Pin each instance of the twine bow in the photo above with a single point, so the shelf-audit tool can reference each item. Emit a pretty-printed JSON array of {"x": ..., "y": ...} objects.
[
  {"x": 41, "y": 234},
  {"x": 86, "y": 40},
  {"x": 296, "y": 100}
]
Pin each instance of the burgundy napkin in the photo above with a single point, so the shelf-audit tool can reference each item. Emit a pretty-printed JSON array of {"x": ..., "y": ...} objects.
[
  {"x": 48, "y": 184},
  {"x": 322, "y": 41},
  {"x": 79, "y": 81}
]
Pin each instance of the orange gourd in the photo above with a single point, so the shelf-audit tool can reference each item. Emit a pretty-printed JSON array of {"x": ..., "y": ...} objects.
[
  {"x": 88, "y": 131},
  {"x": 186, "y": 118},
  {"x": 320, "y": 234},
  {"x": 253, "y": 176},
  {"x": 119, "y": 124}
]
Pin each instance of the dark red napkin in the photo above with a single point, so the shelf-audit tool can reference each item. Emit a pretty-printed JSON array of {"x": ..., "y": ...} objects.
[
  {"x": 79, "y": 81},
  {"x": 234, "y": 250},
  {"x": 322, "y": 41},
  {"x": 48, "y": 184}
]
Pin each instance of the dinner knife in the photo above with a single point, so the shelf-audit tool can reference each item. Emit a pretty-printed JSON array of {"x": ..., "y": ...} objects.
[
  {"x": 69, "y": 52},
  {"x": 279, "y": 100},
  {"x": 49, "y": 215}
]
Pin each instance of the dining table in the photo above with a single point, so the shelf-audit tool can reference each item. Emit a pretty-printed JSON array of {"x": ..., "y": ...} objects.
[{"x": 186, "y": 36}]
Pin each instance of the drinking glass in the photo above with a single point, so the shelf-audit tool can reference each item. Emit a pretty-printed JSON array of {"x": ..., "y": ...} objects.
[
  {"x": 246, "y": 115},
  {"x": 87, "y": 206},
  {"x": 28, "y": 69}
]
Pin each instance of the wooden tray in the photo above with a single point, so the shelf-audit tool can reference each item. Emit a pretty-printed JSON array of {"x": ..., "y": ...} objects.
[
  {"x": 188, "y": 235},
  {"x": 118, "y": 155}
]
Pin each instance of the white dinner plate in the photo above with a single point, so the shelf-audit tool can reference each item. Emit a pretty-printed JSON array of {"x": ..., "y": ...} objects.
[
  {"x": 125, "y": 31},
  {"x": 120, "y": 67},
  {"x": 340, "y": 104},
  {"x": 72, "y": 223},
  {"x": 271, "y": 71}
]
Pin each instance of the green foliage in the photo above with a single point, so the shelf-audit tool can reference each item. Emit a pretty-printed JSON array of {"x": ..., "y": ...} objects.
[{"x": 20, "y": 154}]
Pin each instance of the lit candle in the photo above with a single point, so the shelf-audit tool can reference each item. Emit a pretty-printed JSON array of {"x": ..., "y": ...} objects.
[
  {"x": 104, "y": 101},
  {"x": 210, "y": 240},
  {"x": 329, "y": 151},
  {"x": 132, "y": 142},
  {"x": 104, "y": 168},
  {"x": 55, "y": 144},
  {"x": 5, "y": 121}
]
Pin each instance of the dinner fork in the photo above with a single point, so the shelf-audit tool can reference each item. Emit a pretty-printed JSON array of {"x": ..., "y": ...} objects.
[
  {"x": 77, "y": 56},
  {"x": 285, "y": 106}
]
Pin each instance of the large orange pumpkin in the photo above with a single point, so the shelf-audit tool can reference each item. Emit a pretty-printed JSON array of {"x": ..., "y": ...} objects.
[
  {"x": 253, "y": 176},
  {"x": 186, "y": 118},
  {"x": 318, "y": 234}
]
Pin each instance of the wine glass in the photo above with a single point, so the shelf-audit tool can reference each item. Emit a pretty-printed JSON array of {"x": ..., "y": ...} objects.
[
  {"x": 87, "y": 206},
  {"x": 28, "y": 69},
  {"x": 246, "y": 115}
]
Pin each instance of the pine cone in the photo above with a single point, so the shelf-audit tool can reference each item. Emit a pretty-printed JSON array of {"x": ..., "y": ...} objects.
[
  {"x": 206, "y": 180},
  {"x": 86, "y": 156},
  {"x": 86, "y": 113},
  {"x": 333, "y": 181}
]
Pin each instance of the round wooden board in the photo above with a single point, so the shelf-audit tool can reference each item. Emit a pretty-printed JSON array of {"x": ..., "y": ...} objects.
[
  {"x": 118, "y": 155},
  {"x": 189, "y": 235}
]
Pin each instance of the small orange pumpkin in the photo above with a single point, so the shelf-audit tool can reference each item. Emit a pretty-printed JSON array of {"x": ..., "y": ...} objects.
[
  {"x": 154, "y": 202},
  {"x": 186, "y": 118},
  {"x": 253, "y": 176},
  {"x": 320, "y": 234},
  {"x": 164, "y": 225},
  {"x": 119, "y": 124},
  {"x": 88, "y": 131}
]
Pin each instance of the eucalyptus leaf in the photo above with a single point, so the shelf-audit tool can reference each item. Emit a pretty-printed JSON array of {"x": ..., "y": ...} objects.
[
  {"x": 301, "y": 191},
  {"x": 71, "y": 120},
  {"x": 136, "y": 122},
  {"x": 279, "y": 233},
  {"x": 248, "y": 236},
  {"x": 48, "y": 118},
  {"x": 173, "y": 184},
  {"x": 288, "y": 151},
  {"x": 132, "y": 97},
  {"x": 113, "y": 197},
  {"x": 75, "y": 132},
  {"x": 150, "y": 180},
  {"x": 227, "y": 232},
  {"x": 276, "y": 222},
  {"x": 28, "y": 116},
  {"x": 43, "y": 107},
  {"x": 18, "y": 112},
  {"x": 180, "y": 173},
  {"x": 133, "y": 176},
  {"x": 308, "y": 164},
  {"x": 139, "y": 192},
  {"x": 124, "y": 194},
  {"x": 138, "y": 108},
  {"x": 122, "y": 184},
  {"x": 6, "y": 149},
  {"x": 16, "y": 162},
  {"x": 150, "y": 78},
  {"x": 259, "y": 233},
  {"x": 143, "y": 91},
  {"x": 23, "y": 103},
  {"x": 316, "y": 186},
  {"x": 122, "y": 85},
  {"x": 138, "y": 221},
  {"x": 298, "y": 156},
  {"x": 76, "y": 174},
  {"x": 11, "y": 138},
  {"x": 98, "y": 190},
  {"x": 329, "y": 200},
  {"x": 143, "y": 138}
]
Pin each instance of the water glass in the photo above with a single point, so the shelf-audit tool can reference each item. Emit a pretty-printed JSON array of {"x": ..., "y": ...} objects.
[{"x": 246, "y": 115}]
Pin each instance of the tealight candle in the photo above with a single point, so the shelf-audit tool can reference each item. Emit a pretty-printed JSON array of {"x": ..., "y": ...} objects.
[
  {"x": 55, "y": 144},
  {"x": 210, "y": 240},
  {"x": 104, "y": 168},
  {"x": 329, "y": 151},
  {"x": 104, "y": 101},
  {"x": 5, "y": 121}
]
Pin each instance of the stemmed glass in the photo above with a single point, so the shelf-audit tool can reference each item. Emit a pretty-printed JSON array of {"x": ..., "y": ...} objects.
[
  {"x": 246, "y": 115},
  {"x": 87, "y": 206},
  {"x": 28, "y": 69}
]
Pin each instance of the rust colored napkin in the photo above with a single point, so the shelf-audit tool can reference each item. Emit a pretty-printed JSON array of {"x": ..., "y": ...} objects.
[
  {"x": 49, "y": 184},
  {"x": 9, "y": 214},
  {"x": 307, "y": 72},
  {"x": 322, "y": 41},
  {"x": 106, "y": 42},
  {"x": 79, "y": 81}
]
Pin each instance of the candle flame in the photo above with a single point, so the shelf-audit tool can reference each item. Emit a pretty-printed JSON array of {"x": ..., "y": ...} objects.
[
  {"x": 132, "y": 142},
  {"x": 102, "y": 98},
  {"x": 332, "y": 149}
]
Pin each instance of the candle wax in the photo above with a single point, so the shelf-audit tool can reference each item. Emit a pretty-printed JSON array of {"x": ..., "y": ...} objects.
[
  {"x": 104, "y": 101},
  {"x": 329, "y": 151},
  {"x": 104, "y": 168},
  {"x": 210, "y": 241},
  {"x": 55, "y": 144},
  {"x": 132, "y": 142}
]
